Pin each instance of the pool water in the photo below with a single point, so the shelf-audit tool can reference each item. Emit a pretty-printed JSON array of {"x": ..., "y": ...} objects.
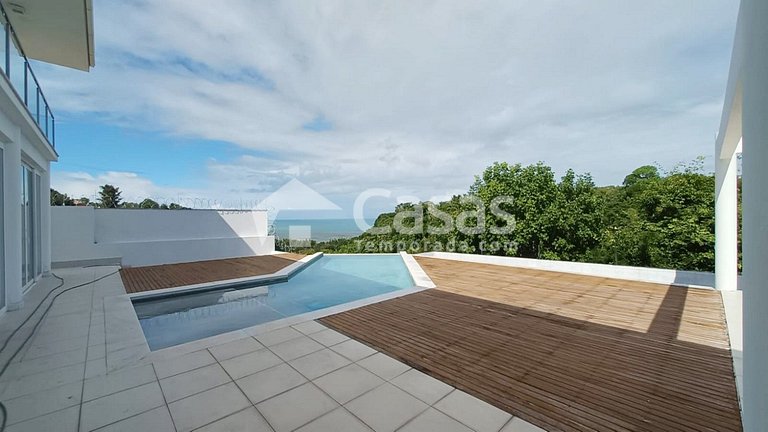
[{"x": 328, "y": 281}]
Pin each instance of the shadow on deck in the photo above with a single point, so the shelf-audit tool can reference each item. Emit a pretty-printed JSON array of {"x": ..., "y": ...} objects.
[{"x": 564, "y": 352}]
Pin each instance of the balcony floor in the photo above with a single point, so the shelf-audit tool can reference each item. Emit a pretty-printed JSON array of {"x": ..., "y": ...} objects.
[{"x": 563, "y": 351}]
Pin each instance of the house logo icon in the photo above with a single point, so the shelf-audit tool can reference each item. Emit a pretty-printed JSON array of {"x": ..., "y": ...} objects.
[{"x": 296, "y": 196}]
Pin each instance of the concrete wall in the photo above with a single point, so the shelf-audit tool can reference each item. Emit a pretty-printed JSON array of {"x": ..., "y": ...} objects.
[
  {"x": 754, "y": 14},
  {"x": 655, "y": 275},
  {"x": 82, "y": 235}
]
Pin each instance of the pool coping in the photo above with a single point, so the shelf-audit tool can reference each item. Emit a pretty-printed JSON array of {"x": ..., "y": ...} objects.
[{"x": 127, "y": 346}]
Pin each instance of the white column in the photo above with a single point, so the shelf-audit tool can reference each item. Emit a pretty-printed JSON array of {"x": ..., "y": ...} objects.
[
  {"x": 12, "y": 209},
  {"x": 755, "y": 207},
  {"x": 726, "y": 223},
  {"x": 45, "y": 218}
]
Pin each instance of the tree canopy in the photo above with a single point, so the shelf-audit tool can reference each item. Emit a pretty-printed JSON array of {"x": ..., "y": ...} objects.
[
  {"x": 109, "y": 197},
  {"x": 60, "y": 199},
  {"x": 654, "y": 219}
]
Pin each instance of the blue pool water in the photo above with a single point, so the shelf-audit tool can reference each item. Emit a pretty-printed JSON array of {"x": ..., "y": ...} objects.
[{"x": 328, "y": 281}]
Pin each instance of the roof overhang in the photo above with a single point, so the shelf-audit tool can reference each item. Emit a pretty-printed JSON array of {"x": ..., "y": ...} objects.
[{"x": 54, "y": 31}]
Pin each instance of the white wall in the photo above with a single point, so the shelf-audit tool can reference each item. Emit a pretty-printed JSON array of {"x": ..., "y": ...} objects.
[
  {"x": 132, "y": 225},
  {"x": 755, "y": 208},
  {"x": 73, "y": 238},
  {"x": 22, "y": 142},
  {"x": 150, "y": 237},
  {"x": 654, "y": 275}
]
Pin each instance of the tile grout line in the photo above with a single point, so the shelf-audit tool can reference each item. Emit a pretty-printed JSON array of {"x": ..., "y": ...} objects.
[
  {"x": 461, "y": 422},
  {"x": 190, "y": 370},
  {"x": 308, "y": 381},
  {"x": 378, "y": 386},
  {"x": 410, "y": 420},
  {"x": 240, "y": 389},
  {"x": 126, "y": 418},
  {"x": 162, "y": 393},
  {"x": 122, "y": 390},
  {"x": 32, "y": 336},
  {"x": 342, "y": 405},
  {"x": 85, "y": 368},
  {"x": 229, "y": 415},
  {"x": 507, "y": 423}
]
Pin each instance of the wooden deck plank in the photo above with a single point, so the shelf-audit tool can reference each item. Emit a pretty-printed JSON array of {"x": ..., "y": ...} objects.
[
  {"x": 563, "y": 351},
  {"x": 138, "y": 279}
]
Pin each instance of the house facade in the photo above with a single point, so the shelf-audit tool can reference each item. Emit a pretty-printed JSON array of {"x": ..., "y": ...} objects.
[{"x": 57, "y": 32}]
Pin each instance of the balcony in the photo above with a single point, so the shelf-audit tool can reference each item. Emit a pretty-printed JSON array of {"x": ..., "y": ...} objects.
[{"x": 18, "y": 71}]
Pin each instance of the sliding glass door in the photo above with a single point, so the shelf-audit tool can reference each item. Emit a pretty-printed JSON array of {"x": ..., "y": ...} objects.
[
  {"x": 30, "y": 232},
  {"x": 38, "y": 225},
  {"x": 2, "y": 230}
]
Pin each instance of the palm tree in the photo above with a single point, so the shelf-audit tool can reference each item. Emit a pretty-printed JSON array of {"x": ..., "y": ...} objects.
[{"x": 109, "y": 197}]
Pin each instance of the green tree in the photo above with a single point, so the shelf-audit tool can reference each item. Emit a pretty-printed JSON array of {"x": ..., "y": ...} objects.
[
  {"x": 552, "y": 220},
  {"x": 660, "y": 220},
  {"x": 60, "y": 199},
  {"x": 149, "y": 204},
  {"x": 645, "y": 172},
  {"x": 109, "y": 197},
  {"x": 680, "y": 220},
  {"x": 573, "y": 223},
  {"x": 654, "y": 219}
]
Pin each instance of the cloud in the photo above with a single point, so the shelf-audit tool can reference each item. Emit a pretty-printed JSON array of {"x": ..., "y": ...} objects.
[
  {"x": 416, "y": 97},
  {"x": 133, "y": 187}
]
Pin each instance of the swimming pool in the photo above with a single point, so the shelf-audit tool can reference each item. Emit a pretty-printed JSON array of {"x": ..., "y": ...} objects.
[{"x": 178, "y": 317}]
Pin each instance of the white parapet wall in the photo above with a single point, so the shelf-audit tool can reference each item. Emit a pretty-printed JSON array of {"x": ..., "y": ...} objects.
[
  {"x": 644, "y": 274},
  {"x": 139, "y": 237}
]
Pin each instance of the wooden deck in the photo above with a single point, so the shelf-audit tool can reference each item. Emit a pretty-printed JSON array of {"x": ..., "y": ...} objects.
[
  {"x": 138, "y": 279},
  {"x": 564, "y": 352}
]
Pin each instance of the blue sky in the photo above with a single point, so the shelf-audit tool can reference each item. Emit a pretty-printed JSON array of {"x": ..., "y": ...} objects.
[
  {"x": 219, "y": 107},
  {"x": 91, "y": 146}
]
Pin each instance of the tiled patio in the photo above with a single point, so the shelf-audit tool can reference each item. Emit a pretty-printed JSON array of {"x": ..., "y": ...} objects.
[{"x": 303, "y": 377}]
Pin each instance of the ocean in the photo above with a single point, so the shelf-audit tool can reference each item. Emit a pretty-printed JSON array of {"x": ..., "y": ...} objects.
[{"x": 321, "y": 229}]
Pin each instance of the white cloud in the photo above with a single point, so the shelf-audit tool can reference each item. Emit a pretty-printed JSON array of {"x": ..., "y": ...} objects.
[
  {"x": 420, "y": 95},
  {"x": 133, "y": 187}
]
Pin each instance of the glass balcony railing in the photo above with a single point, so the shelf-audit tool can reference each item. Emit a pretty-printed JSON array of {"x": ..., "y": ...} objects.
[{"x": 18, "y": 72}]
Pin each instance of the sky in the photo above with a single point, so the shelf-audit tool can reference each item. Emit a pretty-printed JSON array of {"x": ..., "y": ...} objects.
[{"x": 218, "y": 105}]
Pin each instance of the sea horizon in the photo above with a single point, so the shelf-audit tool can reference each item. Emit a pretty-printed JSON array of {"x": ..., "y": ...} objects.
[{"x": 321, "y": 229}]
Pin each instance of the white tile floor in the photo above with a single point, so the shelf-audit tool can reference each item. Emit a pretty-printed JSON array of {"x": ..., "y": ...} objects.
[{"x": 303, "y": 377}]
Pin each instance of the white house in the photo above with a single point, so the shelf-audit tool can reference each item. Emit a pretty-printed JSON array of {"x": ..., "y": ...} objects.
[
  {"x": 61, "y": 32},
  {"x": 58, "y": 32},
  {"x": 744, "y": 129}
]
